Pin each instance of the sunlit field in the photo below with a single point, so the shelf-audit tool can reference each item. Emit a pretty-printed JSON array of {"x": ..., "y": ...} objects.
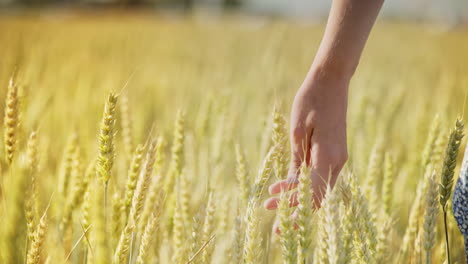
[{"x": 138, "y": 138}]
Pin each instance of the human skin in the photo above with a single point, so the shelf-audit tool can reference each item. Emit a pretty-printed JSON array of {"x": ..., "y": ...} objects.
[{"x": 318, "y": 115}]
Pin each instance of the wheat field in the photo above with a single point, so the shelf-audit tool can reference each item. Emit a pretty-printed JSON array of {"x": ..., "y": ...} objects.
[{"x": 140, "y": 138}]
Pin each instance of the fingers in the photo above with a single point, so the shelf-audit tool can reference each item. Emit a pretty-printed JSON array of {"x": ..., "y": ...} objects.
[
  {"x": 321, "y": 176},
  {"x": 272, "y": 202},
  {"x": 300, "y": 148},
  {"x": 283, "y": 186},
  {"x": 300, "y": 137}
]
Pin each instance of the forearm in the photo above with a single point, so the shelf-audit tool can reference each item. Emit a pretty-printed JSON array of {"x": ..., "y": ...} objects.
[{"x": 347, "y": 30}]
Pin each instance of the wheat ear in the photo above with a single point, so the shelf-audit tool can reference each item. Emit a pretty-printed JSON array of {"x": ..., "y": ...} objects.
[
  {"x": 126, "y": 122},
  {"x": 288, "y": 237},
  {"x": 34, "y": 254},
  {"x": 241, "y": 175},
  {"x": 132, "y": 178},
  {"x": 177, "y": 158},
  {"x": 143, "y": 184},
  {"x": 430, "y": 216},
  {"x": 280, "y": 139},
  {"x": 387, "y": 185},
  {"x": 253, "y": 252},
  {"x": 448, "y": 171},
  {"x": 208, "y": 228},
  {"x": 11, "y": 121},
  {"x": 105, "y": 160},
  {"x": 146, "y": 239},
  {"x": 304, "y": 212},
  {"x": 430, "y": 147}
]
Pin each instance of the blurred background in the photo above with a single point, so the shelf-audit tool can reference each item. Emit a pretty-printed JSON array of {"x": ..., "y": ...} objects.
[{"x": 451, "y": 13}]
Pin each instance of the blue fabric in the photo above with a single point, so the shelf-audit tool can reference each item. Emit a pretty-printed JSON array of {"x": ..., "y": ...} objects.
[{"x": 460, "y": 201}]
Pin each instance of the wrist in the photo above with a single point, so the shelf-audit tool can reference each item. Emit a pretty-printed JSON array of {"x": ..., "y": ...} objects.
[
  {"x": 333, "y": 70},
  {"x": 323, "y": 79}
]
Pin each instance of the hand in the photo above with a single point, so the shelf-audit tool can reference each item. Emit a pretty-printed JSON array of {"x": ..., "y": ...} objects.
[{"x": 318, "y": 135}]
